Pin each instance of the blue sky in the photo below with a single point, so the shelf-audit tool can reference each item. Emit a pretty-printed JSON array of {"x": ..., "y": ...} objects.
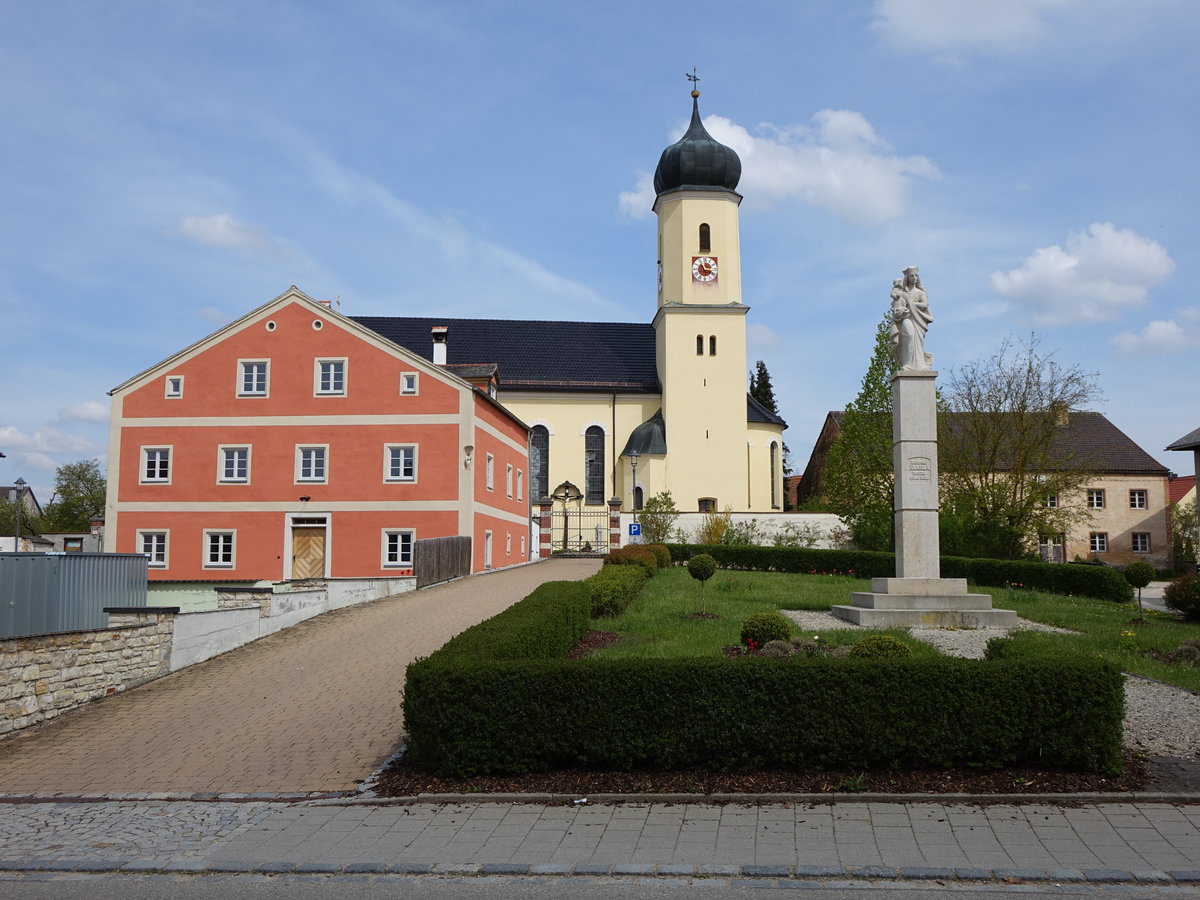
[{"x": 169, "y": 167}]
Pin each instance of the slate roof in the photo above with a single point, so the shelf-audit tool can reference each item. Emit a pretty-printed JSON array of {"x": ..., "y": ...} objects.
[
  {"x": 756, "y": 412},
  {"x": 536, "y": 355},
  {"x": 1190, "y": 441}
]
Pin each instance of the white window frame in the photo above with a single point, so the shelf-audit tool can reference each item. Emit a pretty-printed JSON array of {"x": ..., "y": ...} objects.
[
  {"x": 1145, "y": 538},
  {"x": 1139, "y": 498},
  {"x": 520, "y": 484},
  {"x": 522, "y": 546},
  {"x": 508, "y": 543},
  {"x": 1095, "y": 498},
  {"x": 243, "y": 370},
  {"x": 1098, "y": 542},
  {"x": 385, "y": 549},
  {"x": 489, "y": 472},
  {"x": 508, "y": 481},
  {"x": 487, "y": 549},
  {"x": 209, "y": 535},
  {"x": 410, "y": 383},
  {"x": 173, "y": 389},
  {"x": 301, "y": 451},
  {"x": 222, "y": 458},
  {"x": 1051, "y": 501},
  {"x": 388, "y": 473},
  {"x": 319, "y": 379},
  {"x": 144, "y": 472},
  {"x": 153, "y": 556}
]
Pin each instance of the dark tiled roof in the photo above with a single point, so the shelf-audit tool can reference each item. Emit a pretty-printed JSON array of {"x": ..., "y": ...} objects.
[
  {"x": 1092, "y": 442},
  {"x": 756, "y": 412},
  {"x": 1190, "y": 441},
  {"x": 534, "y": 355}
]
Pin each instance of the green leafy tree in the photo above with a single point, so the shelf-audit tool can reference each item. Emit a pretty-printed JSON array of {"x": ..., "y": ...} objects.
[
  {"x": 999, "y": 454},
  {"x": 657, "y": 518},
  {"x": 1140, "y": 574},
  {"x": 79, "y": 489},
  {"x": 858, "y": 470},
  {"x": 1183, "y": 533},
  {"x": 30, "y": 524}
]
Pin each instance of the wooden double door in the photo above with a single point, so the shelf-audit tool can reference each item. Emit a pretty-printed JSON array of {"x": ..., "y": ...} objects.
[{"x": 308, "y": 551}]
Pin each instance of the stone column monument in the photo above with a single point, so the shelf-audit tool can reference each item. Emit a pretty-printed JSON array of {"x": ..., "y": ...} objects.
[{"x": 918, "y": 596}]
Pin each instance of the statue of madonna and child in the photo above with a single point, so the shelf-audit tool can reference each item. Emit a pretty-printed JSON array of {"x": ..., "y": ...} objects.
[{"x": 910, "y": 321}]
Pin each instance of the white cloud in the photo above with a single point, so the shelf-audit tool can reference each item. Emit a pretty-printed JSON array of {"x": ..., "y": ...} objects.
[
  {"x": 638, "y": 203},
  {"x": 214, "y": 315},
  {"x": 838, "y": 163},
  {"x": 221, "y": 230},
  {"x": 89, "y": 411},
  {"x": 1101, "y": 273},
  {"x": 949, "y": 25},
  {"x": 46, "y": 440},
  {"x": 1162, "y": 335}
]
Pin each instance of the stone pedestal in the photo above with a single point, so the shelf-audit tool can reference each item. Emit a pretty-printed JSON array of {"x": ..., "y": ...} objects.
[{"x": 918, "y": 596}]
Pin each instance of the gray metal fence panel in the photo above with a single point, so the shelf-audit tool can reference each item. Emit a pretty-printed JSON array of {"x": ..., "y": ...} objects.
[{"x": 54, "y": 592}]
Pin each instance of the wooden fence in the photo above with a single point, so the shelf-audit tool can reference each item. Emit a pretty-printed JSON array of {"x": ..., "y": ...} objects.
[{"x": 439, "y": 559}]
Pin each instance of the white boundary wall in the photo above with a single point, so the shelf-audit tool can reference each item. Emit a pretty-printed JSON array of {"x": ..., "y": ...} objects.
[
  {"x": 203, "y": 635},
  {"x": 827, "y": 524}
]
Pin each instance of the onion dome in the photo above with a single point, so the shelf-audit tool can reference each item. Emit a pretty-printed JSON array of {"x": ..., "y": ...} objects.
[{"x": 697, "y": 160}]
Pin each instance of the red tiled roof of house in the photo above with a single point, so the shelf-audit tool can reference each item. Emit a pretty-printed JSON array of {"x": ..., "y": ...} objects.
[{"x": 1180, "y": 486}]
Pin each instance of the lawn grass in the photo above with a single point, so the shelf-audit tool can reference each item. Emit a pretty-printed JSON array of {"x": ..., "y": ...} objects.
[
  {"x": 656, "y": 625},
  {"x": 1105, "y": 631}
]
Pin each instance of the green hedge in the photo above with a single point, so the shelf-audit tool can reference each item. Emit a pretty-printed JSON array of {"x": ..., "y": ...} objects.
[
  {"x": 467, "y": 717},
  {"x": 1100, "y": 582},
  {"x": 614, "y": 587},
  {"x": 545, "y": 625}
]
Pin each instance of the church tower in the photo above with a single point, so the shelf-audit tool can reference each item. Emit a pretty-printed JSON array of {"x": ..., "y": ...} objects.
[{"x": 700, "y": 325}]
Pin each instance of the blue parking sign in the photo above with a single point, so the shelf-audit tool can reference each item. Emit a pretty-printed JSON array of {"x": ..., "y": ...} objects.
[{"x": 635, "y": 529}]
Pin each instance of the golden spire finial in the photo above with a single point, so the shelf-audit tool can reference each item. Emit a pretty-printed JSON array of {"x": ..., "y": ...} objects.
[{"x": 693, "y": 78}]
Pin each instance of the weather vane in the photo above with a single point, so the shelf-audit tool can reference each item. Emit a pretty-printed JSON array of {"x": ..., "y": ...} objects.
[{"x": 693, "y": 78}]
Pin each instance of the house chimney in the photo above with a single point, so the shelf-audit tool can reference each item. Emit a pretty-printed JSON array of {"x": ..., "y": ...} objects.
[
  {"x": 1060, "y": 413},
  {"x": 439, "y": 334}
]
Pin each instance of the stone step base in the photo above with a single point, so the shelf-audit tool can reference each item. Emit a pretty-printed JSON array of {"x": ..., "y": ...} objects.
[
  {"x": 927, "y": 618},
  {"x": 919, "y": 585},
  {"x": 923, "y": 601}
]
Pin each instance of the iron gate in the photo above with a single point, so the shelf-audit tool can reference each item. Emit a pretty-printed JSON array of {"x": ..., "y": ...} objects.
[{"x": 579, "y": 531}]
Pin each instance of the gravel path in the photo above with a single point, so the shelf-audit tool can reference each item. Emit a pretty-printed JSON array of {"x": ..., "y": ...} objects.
[{"x": 1160, "y": 719}]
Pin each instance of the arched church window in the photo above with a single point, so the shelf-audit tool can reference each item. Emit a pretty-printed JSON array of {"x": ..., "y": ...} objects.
[
  {"x": 705, "y": 239},
  {"x": 712, "y": 345},
  {"x": 638, "y": 497},
  {"x": 774, "y": 474},
  {"x": 539, "y": 461},
  {"x": 593, "y": 465},
  {"x": 699, "y": 345}
]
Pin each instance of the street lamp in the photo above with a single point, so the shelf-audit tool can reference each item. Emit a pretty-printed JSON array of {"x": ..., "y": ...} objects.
[
  {"x": 20, "y": 484},
  {"x": 633, "y": 458}
]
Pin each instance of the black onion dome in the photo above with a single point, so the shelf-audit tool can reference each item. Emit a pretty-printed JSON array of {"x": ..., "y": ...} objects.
[{"x": 697, "y": 160}]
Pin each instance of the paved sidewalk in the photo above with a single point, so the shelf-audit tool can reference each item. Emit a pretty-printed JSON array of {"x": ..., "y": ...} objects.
[
  {"x": 1143, "y": 843},
  {"x": 311, "y": 709}
]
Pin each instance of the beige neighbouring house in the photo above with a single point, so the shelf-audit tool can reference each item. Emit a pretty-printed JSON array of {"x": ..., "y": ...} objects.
[{"x": 1125, "y": 497}]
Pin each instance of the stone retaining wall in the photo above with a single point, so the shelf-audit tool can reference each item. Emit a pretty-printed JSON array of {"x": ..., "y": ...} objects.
[{"x": 43, "y": 676}]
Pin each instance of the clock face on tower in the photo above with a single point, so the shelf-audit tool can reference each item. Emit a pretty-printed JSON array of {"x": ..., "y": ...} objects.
[{"x": 704, "y": 269}]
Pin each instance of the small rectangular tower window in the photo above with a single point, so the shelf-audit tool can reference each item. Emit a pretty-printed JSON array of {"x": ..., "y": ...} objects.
[{"x": 705, "y": 238}]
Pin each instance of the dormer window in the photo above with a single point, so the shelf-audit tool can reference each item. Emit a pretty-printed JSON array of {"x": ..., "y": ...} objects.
[{"x": 705, "y": 239}]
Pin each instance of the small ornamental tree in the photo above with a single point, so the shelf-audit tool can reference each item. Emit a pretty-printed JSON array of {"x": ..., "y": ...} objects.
[
  {"x": 657, "y": 518},
  {"x": 1140, "y": 574},
  {"x": 702, "y": 568}
]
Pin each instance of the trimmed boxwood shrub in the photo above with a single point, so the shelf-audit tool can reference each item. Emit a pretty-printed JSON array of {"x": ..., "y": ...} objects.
[
  {"x": 474, "y": 716},
  {"x": 1101, "y": 582},
  {"x": 661, "y": 552},
  {"x": 634, "y": 555},
  {"x": 880, "y": 646},
  {"x": 1183, "y": 595},
  {"x": 765, "y": 627},
  {"x": 613, "y": 588}
]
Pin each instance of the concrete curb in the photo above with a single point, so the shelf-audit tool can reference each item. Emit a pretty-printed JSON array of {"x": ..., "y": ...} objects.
[
  {"x": 759, "y": 874},
  {"x": 349, "y": 798}
]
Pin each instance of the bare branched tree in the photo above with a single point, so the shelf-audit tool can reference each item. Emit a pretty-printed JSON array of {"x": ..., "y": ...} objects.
[{"x": 1004, "y": 451}]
